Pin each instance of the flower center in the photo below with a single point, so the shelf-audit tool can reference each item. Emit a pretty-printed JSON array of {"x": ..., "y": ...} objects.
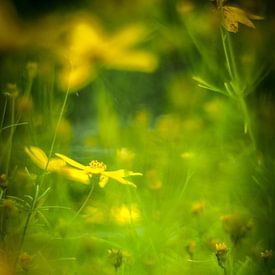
[{"x": 97, "y": 166}]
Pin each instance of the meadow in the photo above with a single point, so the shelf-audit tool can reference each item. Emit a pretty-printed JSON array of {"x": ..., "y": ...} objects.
[{"x": 137, "y": 137}]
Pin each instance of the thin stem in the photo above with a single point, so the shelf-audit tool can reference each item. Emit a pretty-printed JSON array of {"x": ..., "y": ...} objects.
[
  {"x": 58, "y": 123},
  {"x": 232, "y": 57},
  {"x": 247, "y": 121},
  {"x": 3, "y": 115},
  {"x": 224, "y": 37},
  {"x": 85, "y": 201},
  {"x": 28, "y": 219}
]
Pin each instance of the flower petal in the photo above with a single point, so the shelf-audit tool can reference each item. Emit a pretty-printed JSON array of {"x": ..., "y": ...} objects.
[
  {"x": 71, "y": 161},
  {"x": 75, "y": 175},
  {"x": 119, "y": 175},
  {"x": 37, "y": 156},
  {"x": 103, "y": 180}
]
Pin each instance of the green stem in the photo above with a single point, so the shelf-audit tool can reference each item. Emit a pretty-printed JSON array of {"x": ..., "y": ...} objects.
[
  {"x": 3, "y": 115},
  {"x": 225, "y": 42},
  {"x": 28, "y": 219},
  {"x": 85, "y": 202},
  {"x": 247, "y": 121}
]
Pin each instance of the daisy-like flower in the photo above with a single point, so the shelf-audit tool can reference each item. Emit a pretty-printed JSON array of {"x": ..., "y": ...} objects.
[
  {"x": 90, "y": 48},
  {"x": 231, "y": 16},
  {"x": 76, "y": 171}
]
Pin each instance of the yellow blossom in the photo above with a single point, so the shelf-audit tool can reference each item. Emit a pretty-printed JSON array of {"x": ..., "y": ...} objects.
[
  {"x": 221, "y": 247},
  {"x": 90, "y": 47},
  {"x": 76, "y": 171},
  {"x": 125, "y": 214},
  {"x": 198, "y": 207},
  {"x": 95, "y": 215},
  {"x": 231, "y": 16}
]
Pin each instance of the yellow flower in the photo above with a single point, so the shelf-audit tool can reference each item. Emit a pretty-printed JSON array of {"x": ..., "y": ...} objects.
[
  {"x": 76, "y": 171},
  {"x": 90, "y": 48},
  {"x": 95, "y": 215},
  {"x": 125, "y": 214},
  {"x": 231, "y": 16},
  {"x": 221, "y": 248}
]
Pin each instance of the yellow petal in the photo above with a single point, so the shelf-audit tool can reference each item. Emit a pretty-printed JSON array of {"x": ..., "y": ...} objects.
[
  {"x": 75, "y": 175},
  {"x": 134, "y": 61},
  {"x": 85, "y": 38},
  {"x": 103, "y": 180},
  {"x": 56, "y": 165},
  {"x": 71, "y": 161},
  {"x": 119, "y": 175},
  {"x": 77, "y": 77},
  {"x": 37, "y": 156},
  {"x": 128, "y": 37}
]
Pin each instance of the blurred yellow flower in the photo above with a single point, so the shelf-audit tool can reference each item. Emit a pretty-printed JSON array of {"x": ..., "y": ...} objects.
[
  {"x": 90, "y": 47},
  {"x": 95, "y": 215},
  {"x": 198, "y": 207},
  {"x": 125, "y": 214},
  {"x": 221, "y": 247},
  {"x": 75, "y": 171}
]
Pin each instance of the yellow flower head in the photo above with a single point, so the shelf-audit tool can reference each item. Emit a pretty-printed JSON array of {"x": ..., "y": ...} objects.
[
  {"x": 221, "y": 248},
  {"x": 97, "y": 167},
  {"x": 125, "y": 214},
  {"x": 76, "y": 171},
  {"x": 90, "y": 48}
]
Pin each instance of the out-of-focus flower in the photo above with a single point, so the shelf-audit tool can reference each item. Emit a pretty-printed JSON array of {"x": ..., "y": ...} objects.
[
  {"x": 124, "y": 214},
  {"x": 24, "y": 104},
  {"x": 185, "y": 7},
  {"x": 116, "y": 257},
  {"x": 153, "y": 180},
  {"x": 11, "y": 90},
  {"x": 190, "y": 248},
  {"x": 31, "y": 69},
  {"x": 76, "y": 171},
  {"x": 90, "y": 47},
  {"x": 231, "y": 16},
  {"x": 221, "y": 254},
  {"x": 125, "y": 155},
  {"x": 198, "y": 207},
  {"x": 95, "y": 215}
]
